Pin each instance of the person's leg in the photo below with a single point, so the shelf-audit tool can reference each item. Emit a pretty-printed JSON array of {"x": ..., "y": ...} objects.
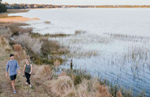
[
  {"x": 29, "y": 81},
  {"x": 13, "y": 85},
  {"x": 13, "y": 77},
  {"x": 26, "y": 78},
  {"x": 29, "y": 78}
]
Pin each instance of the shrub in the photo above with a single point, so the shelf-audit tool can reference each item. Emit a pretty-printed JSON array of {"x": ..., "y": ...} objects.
[
  {"x": 17, "y": 30},
  {"x": 25, "y": 40},
  {"x": 31, "y": 44},
  {"x": 77, "y": 79},
  {"x": 18, "y": 48},
  {"x": 79, "y": 32},
  {"x": 47, "y": 22},
  {"x": 119, "y": 94},
  {"x": 62, "y": 86},
  {"x": 42, "y": 72},
  {"x": 49, "y": 47},
  {"x": 5, "y": 32},
  {"x": 7, "y": 49},
  {"x": 3, "y": 42}
]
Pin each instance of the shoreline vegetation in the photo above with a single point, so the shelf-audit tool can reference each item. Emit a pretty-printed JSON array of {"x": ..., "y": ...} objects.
[
  {"x": 46, "y": 55},
  {"x": 26, "y": 6}
]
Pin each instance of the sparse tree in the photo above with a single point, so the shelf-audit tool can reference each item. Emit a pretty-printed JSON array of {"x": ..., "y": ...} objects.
[{"x": 2, "y": 7}]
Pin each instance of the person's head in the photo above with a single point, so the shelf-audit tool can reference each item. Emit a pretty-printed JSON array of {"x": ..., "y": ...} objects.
[
  {"x": 27, "y": 61},
  {"x": 11, "y": 56}
]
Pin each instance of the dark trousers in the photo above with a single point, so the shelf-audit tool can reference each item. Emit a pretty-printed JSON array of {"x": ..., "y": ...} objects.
[{"x": 28, "y": 77}]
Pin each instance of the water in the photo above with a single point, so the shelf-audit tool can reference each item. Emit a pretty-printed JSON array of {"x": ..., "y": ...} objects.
[{"x": 115, "y": 46}]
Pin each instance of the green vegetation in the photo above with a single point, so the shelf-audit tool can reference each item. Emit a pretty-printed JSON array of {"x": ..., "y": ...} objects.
[{"x": 2, "y": 7}]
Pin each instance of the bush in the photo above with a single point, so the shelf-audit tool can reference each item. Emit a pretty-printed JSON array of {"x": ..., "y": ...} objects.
[
  {"x": 2, "y": 7},
  {"x": 79, "y": 32},
  {"x": 7, "y": 49},
  {"x": 3, "y": 42},
  {"x": 62, "y": 86},
  {"x": 47, "y": 22},
  {"x": 49, "y": 47},
  {"x": 5, "y": 32},
  {"x": 18, "y": 48},
  {"x": 77, "y": 79},
  {"x": 19, "y": 30},
  {"x": 119, "y": 94},
  {"x": 30, "y": 44}
]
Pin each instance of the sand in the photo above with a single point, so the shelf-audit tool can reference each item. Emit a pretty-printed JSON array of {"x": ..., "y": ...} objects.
[{"x": 17, "y": 19}]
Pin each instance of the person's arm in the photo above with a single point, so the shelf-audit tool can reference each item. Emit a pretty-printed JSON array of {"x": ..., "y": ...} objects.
[
  {"x": 24, "y": 69},
  {"x": 18, "y": 68},
  {"x": 7, "y": 67},
  {"x": 31, "y": 69}
]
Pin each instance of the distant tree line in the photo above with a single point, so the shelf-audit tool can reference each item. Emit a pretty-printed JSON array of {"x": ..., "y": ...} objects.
[{"x": 2, "y": 7}]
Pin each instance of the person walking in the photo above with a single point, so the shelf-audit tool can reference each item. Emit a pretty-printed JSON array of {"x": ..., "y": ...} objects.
[
  {"x": 27, "y": 72},
  {"x": 12, "y": 67}
]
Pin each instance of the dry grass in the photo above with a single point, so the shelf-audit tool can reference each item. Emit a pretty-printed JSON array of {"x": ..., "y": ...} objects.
[
  {"x": 51, "y": 47},
  {"x": 62, "y": 86},
  {"x": 79, "y": 32},
  {"x": 43, "y": 72},
  {"x": 5, "y": 32},
  {"x": 119, "y": 94},
  {"x": 18, "y": 30},
  {"x": 17, "y": 48},
  {"x": 47, "y": 22},
  {"x": 126, "y": 37},
  {"x": 26, "y": 41},
  {"x": 3, "y": 42}
]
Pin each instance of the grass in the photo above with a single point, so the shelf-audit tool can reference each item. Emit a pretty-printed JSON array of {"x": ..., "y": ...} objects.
[
  {"x": 125, "y": 37},
  {"x": 79, "y": 32},
  {"x": 78, "y": 76},
  {"x": 37, "y": 35},
  {"x": 47, "y": 22}
]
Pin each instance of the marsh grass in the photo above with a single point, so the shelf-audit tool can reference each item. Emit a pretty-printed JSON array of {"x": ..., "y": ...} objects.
[
  {"x": 79, "y": 75},
  {"x": 79, "y": 32},
  {"x": 125, "y": 37},
  {"x": 47, "y": 22},
  {"x": 37, "y": 35}
]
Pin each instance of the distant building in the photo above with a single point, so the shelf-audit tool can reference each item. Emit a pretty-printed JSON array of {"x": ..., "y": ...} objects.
[
  {"x": 35, "y": 6},
  {"x": 9, "y": 6}
]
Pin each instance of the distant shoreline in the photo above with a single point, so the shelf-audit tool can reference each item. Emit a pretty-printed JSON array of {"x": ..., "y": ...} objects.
[{"x": 5, "y": 18}]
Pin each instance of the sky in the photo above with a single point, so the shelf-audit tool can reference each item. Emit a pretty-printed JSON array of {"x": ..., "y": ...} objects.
[{"x": 83, "y": 2}]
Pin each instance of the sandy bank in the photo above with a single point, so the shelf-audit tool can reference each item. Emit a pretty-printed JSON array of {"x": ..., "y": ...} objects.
[
  {"x": 5, "y": 18},
  {"x": 17, "y": 19}
]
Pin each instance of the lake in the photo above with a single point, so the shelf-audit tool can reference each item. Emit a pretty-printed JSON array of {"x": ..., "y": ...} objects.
[{"x": 115, "y": 45}]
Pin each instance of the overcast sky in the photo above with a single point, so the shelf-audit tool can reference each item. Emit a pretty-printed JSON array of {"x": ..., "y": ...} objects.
[{"x": 83, "y": 2}]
